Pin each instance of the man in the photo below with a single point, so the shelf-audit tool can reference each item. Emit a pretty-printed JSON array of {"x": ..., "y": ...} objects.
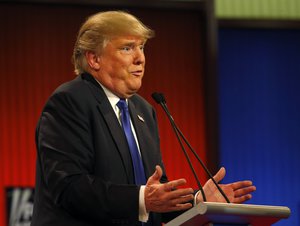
[{"x": 98, "y": 165}]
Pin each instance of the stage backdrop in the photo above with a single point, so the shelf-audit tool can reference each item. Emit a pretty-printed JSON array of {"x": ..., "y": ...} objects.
[
  {"x": 259, "y": 113},
  {"x": 36, "y": 48}
]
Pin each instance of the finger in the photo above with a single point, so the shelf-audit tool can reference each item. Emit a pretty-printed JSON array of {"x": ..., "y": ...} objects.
[
  {"x": 244, "y": 191},
  {"x": 155, "y": 177},
  {"x": 159, "y": 171},
  {"x": 181, "y": 193},
  {"x": 242, "y": 198},
  {"x": 182, "y": 199},
  {"x": 172, "y": 185},
  {"x": 220, "y": 174},
  {"x": 241, "y": 184}
]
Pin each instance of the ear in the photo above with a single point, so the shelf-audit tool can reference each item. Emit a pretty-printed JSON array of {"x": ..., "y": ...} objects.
[{"x": 93, "y": 60}]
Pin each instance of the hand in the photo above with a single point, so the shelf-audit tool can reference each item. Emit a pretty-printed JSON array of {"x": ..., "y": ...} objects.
[
  {"x": 166, "y": 197},
  {"x": 237, "y": 192}
]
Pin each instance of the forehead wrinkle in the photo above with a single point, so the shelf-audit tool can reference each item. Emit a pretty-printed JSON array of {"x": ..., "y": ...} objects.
[{"x": 127, "y": 42}]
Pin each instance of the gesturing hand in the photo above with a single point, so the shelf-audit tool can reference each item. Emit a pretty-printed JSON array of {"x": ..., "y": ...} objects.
[
  {"x": 166, "y": 197},
  {"x": 237, "y": 192}
]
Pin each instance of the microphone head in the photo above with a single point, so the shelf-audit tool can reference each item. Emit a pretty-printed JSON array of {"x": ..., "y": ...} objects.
[{"x": 159, "y": 98}]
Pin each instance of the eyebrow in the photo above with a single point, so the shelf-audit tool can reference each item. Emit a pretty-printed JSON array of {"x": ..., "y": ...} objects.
[{"x": 133, "y": 43}]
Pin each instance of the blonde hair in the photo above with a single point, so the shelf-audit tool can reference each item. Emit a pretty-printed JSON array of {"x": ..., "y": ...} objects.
[{"x": 98, "y": 29}]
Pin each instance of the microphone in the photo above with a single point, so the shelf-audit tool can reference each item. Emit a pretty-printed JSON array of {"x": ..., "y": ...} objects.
[{"x": 160, "y": 99}]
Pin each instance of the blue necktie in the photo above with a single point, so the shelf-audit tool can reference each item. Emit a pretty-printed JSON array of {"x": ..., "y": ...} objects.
[{"x": 139, "y": 173}]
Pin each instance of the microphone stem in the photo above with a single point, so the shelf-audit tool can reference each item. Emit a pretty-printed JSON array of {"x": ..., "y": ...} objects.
[
  {"x": 184, "y": 150},
  {"x": 195, "y": 154},
  {"x": 203, "y": 165}
]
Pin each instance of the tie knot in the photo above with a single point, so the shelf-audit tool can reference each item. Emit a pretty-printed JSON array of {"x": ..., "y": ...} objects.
[{"x": 122, "y": 105}]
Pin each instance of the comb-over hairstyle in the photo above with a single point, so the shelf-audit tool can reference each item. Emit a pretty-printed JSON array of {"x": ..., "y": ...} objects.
[{"x": 98, "y": 29}]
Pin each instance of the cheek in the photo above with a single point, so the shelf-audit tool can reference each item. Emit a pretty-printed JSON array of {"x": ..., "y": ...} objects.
[
  {"x": 122, "y": 63},
  {"x": 114, "y": 69},
  {"x": 117, "y": 66}
]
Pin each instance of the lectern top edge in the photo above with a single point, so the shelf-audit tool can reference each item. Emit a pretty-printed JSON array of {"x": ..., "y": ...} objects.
[
  {"x": 244, "y": 209},
  {"x": 228, "y": 214}
]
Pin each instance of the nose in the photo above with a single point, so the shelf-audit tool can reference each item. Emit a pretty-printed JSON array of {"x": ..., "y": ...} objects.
[{"x": 139, "y": 56}]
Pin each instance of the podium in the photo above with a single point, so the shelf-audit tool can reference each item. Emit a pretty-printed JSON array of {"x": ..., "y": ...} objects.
[{"x": 228, "y": 214}]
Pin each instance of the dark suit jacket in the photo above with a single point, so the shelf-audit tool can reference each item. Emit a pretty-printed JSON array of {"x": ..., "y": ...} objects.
[{"x": 84, "y": 170}]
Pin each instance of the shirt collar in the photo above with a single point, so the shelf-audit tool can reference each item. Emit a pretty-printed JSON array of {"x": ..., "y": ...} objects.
[{"x": 113, "y": 99}]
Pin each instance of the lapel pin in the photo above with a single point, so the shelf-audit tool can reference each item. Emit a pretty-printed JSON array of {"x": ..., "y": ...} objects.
[{"x": 141, "y": 118}]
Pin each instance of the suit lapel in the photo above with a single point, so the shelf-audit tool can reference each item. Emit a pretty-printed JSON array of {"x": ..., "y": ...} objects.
[
  {"x": 118, "y": 136},
  {"x": 112, "y": 123}
]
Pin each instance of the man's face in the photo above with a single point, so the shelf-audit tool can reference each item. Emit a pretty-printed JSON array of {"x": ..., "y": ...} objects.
[{"x": 121, "y": 65}]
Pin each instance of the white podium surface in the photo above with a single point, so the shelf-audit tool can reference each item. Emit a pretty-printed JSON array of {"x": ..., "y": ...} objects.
[{"x": 231, "y": 214}]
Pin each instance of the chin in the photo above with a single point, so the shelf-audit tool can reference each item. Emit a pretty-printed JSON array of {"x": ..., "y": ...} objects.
[
  {"x": 132, "y": 91},
  {"x": 136, "y": 87}
]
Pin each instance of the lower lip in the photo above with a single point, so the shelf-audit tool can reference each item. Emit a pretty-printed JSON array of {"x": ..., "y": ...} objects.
[{"x": 137, "y": 73}]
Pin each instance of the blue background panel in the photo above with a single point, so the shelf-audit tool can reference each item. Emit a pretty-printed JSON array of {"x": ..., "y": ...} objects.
[{"x": 259, "y": 103}]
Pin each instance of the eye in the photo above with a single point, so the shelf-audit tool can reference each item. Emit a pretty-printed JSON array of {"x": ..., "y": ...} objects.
[
  {"x": 142, "y": 47},
  {"x": 126, "y": 48}
]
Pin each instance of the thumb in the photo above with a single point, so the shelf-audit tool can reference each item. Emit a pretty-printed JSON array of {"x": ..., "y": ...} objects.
[
  {"x": 155, "y": 177},
  {"x": 220, "y": 175}
]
